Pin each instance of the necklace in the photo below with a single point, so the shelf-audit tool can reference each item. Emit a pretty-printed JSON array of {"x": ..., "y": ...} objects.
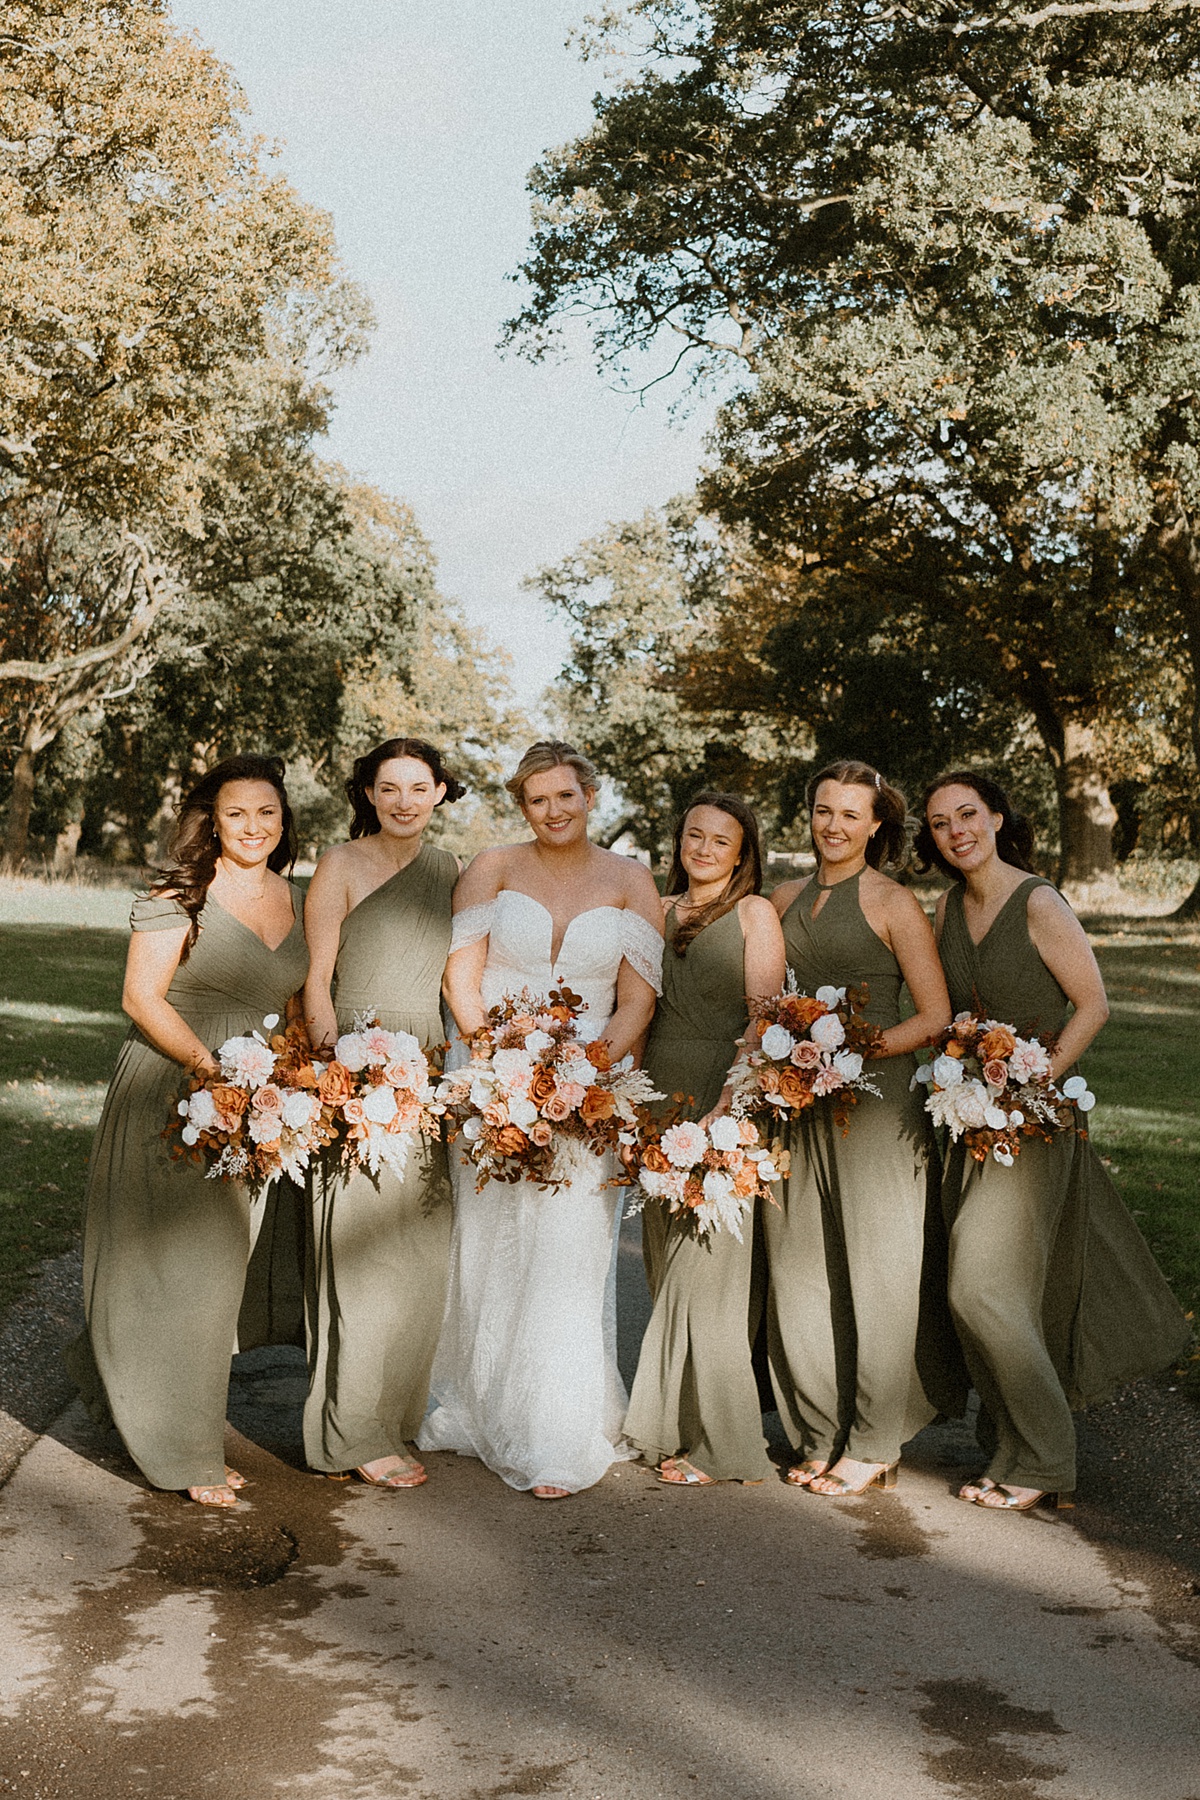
[{"x": 241, "y": 885}]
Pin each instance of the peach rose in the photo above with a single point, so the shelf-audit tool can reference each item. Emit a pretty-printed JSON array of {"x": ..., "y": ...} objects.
[
  {"x": 768, "y": 1080},
  {"x": 745, "y": 1181},
  {"x": 268, "y": 1099},
  {"x": 495, "y": 1114},
  {"x": 540, "y": 1133},
  {"x": 556, "y": 1108},
  {"x": 335, "y": 1084},
  {"x": 572, "y": 1092},
  {"x": 806, "y": 1054},
  {"x": 995, "y": 1073},
  {"x": 352, "y": 1112},
  {"x": 997, "y": 1042},
  {"x": 598, "y": 1104},
  {"x": 747, "y": 1131}
]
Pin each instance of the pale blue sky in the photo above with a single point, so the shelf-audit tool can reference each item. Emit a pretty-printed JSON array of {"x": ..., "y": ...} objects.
[{"x": 415, "y": 126}]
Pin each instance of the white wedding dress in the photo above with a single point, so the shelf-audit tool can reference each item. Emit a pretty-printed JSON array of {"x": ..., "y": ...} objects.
[{"x": 525, "y": 1376}]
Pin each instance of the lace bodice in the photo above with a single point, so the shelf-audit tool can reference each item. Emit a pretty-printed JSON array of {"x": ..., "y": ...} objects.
[{"x": 519, "y": 930}]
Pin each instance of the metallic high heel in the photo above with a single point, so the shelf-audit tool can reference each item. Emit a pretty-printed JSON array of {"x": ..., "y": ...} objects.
[
  {"x": 886, "y": 1476},
  {"x": 1062, "y": 1500}
]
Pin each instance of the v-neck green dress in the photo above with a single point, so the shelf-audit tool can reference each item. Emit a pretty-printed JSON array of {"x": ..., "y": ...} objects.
[
  {"x": 844, "y": 1252},
  {"x": 164, "y": 1249},
  {"x": 378, "y": 1271},
  {"x": 1056, "y": 1296},
  {"x": 695, "y": 1391}
]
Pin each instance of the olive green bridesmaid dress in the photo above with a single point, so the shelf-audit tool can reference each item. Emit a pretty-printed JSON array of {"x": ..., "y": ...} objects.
[
  {"x": 378, "y": 1271},
  {"x": 165, "y": 1250},
  {"x": 695, "y": 1391},
  {"x": 1056, "y": 1296},
  {"x": 844, "y": 1252}
]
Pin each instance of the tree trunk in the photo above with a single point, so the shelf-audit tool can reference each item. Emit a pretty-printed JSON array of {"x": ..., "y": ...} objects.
[
  {"x": 66, "y": 844},
  {"x": 20, "y": 806},
  {"x": 1086, "y": 814}
]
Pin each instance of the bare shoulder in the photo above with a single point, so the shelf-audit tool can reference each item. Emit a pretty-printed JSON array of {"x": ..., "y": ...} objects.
[
  {"x": 1050, "y": 915},
  {"x": 787, "y": 891},
  {"x": 898, "y": 901},
  {"x": 756, "y": 909},
  {"x": 633, "y": 880}
]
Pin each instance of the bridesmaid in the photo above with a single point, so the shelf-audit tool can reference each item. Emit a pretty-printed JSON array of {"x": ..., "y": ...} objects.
[
  {"x": 217, "y": 946},
  {"x": 844, "y": 1253},
  {"x": 695, "y": 1408},
  {"x": 1055, "y": 1294},
  {"x": 378, "y": 923}
]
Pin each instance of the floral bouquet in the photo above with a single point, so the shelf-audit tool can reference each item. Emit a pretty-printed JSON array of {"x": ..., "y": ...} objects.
[
  {"x": 261, "y": 1115},
  {"x": 535, "y": 1086},
  {"x": 377, "y": 1095},
  {"x": 709, "y": 1177},
  {"x": 810, "y": 1047},
  {"x": 993, "y": 1088}
]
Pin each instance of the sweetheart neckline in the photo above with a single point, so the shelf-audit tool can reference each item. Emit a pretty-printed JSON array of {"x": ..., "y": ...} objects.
[{"x": 542, "y": 907}]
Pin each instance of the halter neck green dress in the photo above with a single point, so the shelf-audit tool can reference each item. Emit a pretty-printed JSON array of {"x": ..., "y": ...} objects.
[
  {"x": 844, "y": 1252},
  {"x": 164, "y": 1249},
  {"x": 378, "y": 1269},
  {"x": 695, "y": 1391},
  {"x": 1056, "y": 1296}
]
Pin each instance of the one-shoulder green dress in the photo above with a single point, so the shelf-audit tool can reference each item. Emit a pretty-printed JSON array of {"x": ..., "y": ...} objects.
[
  {"x": 844, "y": 1252},
  {"x": 378, "y": 1269},
  {"x": 695, "y": 1391},
  {"x": 1056, "y": 1296},
  {"x": 164, "y": 1249}
]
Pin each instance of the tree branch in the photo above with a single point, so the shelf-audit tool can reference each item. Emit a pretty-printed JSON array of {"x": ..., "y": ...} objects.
[{"x": 159, "y": 589}]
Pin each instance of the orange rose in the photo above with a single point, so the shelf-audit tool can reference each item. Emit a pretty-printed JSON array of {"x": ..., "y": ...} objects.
[
  {"x": 230, "y": 1101},
  {"x": 655, "y": 1160},
  {"x": 541, "y": 1084},
  {"x": 792, "y": 1086},
  {"x": 693, "y": 1191},
  {"x": 745, "y": 1181},
  {"x": 954, "y": 1048},
  {"x": 997, "y": 1043},
  {"x": 599, "y": 1055},
  {"x": 598, "y": 1104},
  {"x": 305, "y": 1076},
  {"x": 335, "y": 1084},
  {"x": 511, "y": 1141}
]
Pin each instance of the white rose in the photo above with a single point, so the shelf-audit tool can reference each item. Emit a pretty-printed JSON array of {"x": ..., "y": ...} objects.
[
  {"x": 351, "y": 1051},
  {"x": 827, "y": 1032},
  {"x": 265, "y": 1127},
  {"x": 538, "y": 1040},
  {"x": 996, "y": 1117},
  {"x": 298, "y": 1109},
  {"x": 379, "y": 1104},
  {"x": 724, "y": 1133},
  {"x": 777, "y": 1042},
  {"x": 203, "y": 1109},
  {"x": 522, "y": 1111},
  {"x": 947, "y": 1071},
  {"x": 848, "y": 1064},
  {"x": 718, "y": 1185},
  {"x": 830, "y": 996}
]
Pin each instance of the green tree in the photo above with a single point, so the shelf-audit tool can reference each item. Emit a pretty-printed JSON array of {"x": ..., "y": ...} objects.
[{"x": 950, "y": 256}]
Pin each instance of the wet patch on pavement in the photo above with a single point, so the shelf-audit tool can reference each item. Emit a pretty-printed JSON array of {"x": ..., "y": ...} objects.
[{"x": 979, "y": 1720}]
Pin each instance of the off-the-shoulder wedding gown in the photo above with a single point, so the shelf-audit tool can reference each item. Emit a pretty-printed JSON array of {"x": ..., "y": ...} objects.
[{"x": 526, "y": 1375}]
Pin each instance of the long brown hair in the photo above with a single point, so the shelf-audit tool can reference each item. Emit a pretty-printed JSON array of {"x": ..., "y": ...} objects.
[
  {"x": 365, "y": 773},
  {"x": 747, "y": 873},
  {"x": 888, "y": 805},
  {"x": 1014, "y": 839},
  {"x": 195, "y": 847}
]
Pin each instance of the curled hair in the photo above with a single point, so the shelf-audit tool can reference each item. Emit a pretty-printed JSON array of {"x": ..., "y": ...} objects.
[
  {"x": 365, "y": 773},
  {"x": 746, "y": 877},
  {"x": 547, "y": 754},
  {"x": 1014, "y": 838},
  {"x": 886, "y": 848},
  {"x": 195, "y": 846}
]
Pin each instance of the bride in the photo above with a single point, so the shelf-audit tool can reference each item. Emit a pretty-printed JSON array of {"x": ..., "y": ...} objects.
[{"x": 525, "y": 1376}]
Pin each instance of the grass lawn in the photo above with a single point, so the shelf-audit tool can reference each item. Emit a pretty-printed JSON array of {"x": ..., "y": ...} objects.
[
  {"x": 1143, "y": 1069},
  {"x": 60, "y": 1028},
  {"x": 61, "y": 1025}
]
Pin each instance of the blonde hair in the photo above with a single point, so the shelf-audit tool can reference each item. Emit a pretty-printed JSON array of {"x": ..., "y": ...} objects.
[{"x": 547, "y": 754}]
